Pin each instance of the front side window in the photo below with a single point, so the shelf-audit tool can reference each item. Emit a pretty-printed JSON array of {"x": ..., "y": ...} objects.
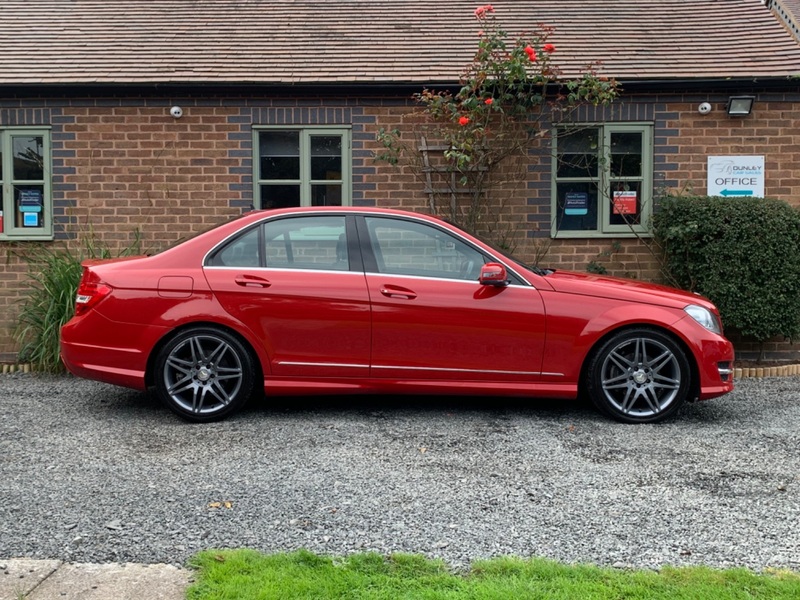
[
  {"x": 419, "y": 250},
  {"x": 26, "y": 211},
  {"x": 302, "y": 167},
  {"x": 602, "y": 180}
]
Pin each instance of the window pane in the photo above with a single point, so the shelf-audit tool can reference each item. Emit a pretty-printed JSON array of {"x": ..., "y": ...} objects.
[
  {"x": 29, "y": 206},
  {"x": 577, "y": 206},
  {"x": 625, "y": 203},
  {"x": 406, "y": 248},
  {"x": 578, "y": 153},
  {"x": 307, "y": 243},
  {"x": 280, "y": 154},
  {"x": 280, "y": 196},
  {"x": 626, "y": 154},
  {"x": 28, "y": 153},
  {"x": 240, "y": 252},
  {"x": 326, "y": 195},
  {"x": 326, "y": 157}
]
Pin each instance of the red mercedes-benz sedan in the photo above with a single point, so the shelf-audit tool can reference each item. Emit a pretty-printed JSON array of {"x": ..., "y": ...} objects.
[{"x": 347, "y": 300}]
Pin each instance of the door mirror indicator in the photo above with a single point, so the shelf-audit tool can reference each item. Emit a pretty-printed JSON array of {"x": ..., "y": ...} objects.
[{"x": 493, "y": 274}]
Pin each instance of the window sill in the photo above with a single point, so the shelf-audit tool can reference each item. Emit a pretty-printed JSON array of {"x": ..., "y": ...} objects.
[
  {"x": 45, "y": 237},
  {"x": 572, "y": 235}
]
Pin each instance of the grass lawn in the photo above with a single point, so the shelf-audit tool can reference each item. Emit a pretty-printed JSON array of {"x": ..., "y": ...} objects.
[{"x": 250, "y": 575}]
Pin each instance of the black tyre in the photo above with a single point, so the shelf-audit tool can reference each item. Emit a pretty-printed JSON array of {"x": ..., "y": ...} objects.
[
  {"x": 204, "y": 374},
  {"x": 639, "y": 376}
]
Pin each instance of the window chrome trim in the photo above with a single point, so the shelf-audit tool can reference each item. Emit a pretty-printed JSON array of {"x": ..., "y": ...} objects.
[
  {"x": 426, "y": 277},
  {"x": 284, "y": 269},
  {"x": 363, "y": 213}
]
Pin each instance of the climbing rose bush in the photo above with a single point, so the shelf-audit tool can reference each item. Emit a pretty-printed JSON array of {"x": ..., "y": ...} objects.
[
  {"x": 507, "y": 91},
  {"x": 505, "y": 85}
]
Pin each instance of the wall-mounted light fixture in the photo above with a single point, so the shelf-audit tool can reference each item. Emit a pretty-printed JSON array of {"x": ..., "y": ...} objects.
[{"x": 740, "y": 106}]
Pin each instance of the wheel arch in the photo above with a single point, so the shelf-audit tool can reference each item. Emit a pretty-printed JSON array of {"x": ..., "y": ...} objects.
[
  {"x": 694, "y": 389},
  {"x": 149, "y": 377}
]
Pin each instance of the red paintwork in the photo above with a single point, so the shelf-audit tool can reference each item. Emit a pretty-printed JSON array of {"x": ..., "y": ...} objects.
[{"x": 377, "y": 333}]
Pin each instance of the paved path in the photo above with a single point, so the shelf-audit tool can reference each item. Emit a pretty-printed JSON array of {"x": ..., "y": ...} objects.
[{"x": 28, "y": 579}]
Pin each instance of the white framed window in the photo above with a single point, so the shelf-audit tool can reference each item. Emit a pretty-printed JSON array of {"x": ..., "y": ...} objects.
[
  {"x": 302, "y": 166},
  {"x": 25, "y": 176},
  {"x": 602, "y": 180}
]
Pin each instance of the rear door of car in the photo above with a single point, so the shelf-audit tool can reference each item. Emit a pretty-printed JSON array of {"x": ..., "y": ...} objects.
[
  {"x": 298, "y": 284},
  {"x": 431, "y": 318}
]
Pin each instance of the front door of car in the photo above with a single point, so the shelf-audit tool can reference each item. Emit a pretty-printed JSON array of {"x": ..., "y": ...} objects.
[
  {"x": 431, "y": 318},
  {"x": 298, "y": 285}
]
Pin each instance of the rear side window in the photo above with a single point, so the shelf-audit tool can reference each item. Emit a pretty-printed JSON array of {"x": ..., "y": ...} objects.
[
  {"x": 313, "y": 243},
  {"x": 307, "y": 243}
]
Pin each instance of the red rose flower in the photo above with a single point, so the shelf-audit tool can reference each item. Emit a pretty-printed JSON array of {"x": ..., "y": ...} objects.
[
  {"x": 482, "y": 10},
  {"x": 489, "y": 101},
  {"x": 549, "y": 48},
  {"x": 463, "y": 121},
  {"x": 530, "y": 52}
]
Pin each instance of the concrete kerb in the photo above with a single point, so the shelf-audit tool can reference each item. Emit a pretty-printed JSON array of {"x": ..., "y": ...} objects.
[
  {"x": 28, "y": 579},
  {"x": 781, "y": 371}
]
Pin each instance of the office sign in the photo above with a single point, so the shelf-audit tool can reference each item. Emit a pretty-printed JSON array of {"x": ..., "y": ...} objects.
[{"x": 736, "y": 176}]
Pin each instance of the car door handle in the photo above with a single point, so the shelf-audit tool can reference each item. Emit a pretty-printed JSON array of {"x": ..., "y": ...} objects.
[
  {"x": 394, "y": 291},
  {"x": 252, "y": 281}
]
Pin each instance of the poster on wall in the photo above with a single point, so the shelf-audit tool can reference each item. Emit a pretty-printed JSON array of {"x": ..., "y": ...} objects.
[
  {"x": 30, "y": 205},
  {"x": 576, "y": 203},
  {"x": 736, "y": 176},
  {"x": 624, "y": 203}
]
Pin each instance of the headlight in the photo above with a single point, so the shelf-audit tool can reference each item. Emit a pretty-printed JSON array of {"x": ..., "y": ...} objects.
[{"x": 705, "y": 317}]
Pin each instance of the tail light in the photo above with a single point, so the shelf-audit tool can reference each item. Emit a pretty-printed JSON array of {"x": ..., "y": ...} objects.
[{"x": 90, "y": 291}]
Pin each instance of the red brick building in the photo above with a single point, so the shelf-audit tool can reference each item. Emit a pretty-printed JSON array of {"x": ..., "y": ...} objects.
[{"x": 280, "y": 103}]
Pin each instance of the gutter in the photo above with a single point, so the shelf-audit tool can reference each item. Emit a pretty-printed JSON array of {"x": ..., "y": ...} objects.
[{"x": 372, "y": 89}]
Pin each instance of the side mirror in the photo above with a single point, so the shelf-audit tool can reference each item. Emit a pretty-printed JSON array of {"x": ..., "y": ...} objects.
[{"x": 493, "y": 274}]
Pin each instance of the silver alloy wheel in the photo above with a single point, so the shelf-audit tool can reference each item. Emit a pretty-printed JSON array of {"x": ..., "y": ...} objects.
[
  {"x": 640, "y": 377},
  {"x": 203, "y": 374}
]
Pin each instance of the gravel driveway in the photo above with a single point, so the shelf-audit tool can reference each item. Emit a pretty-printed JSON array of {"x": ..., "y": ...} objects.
[{"x": 95, "y": 473}]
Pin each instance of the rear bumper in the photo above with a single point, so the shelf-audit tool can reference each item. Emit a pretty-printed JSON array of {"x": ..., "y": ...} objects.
[{"x": 95, "y": 348}]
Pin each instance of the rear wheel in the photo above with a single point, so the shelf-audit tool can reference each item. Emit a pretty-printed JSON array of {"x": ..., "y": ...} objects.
[
  {"x": 639, "y": 376},
  {"x": 204, "y": 374}
]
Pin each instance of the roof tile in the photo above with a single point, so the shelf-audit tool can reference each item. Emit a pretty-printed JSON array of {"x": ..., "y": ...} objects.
[{"x": 352, "y": 41}]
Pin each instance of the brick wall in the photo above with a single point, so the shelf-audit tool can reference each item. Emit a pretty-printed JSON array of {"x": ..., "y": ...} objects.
[{"x": 126, "y": 165}]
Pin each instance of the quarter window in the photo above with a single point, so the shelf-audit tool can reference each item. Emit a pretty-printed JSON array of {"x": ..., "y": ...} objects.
[
  {"x": 602, "y": 180},
  {"x": 302, "y": 167},
  {"x": 26, "y": 210}
]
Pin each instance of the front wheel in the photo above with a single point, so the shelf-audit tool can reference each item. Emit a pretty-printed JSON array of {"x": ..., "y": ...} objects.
[
  {"x": 639, "y": 376},
  {"x": 204, "y": 374}
]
